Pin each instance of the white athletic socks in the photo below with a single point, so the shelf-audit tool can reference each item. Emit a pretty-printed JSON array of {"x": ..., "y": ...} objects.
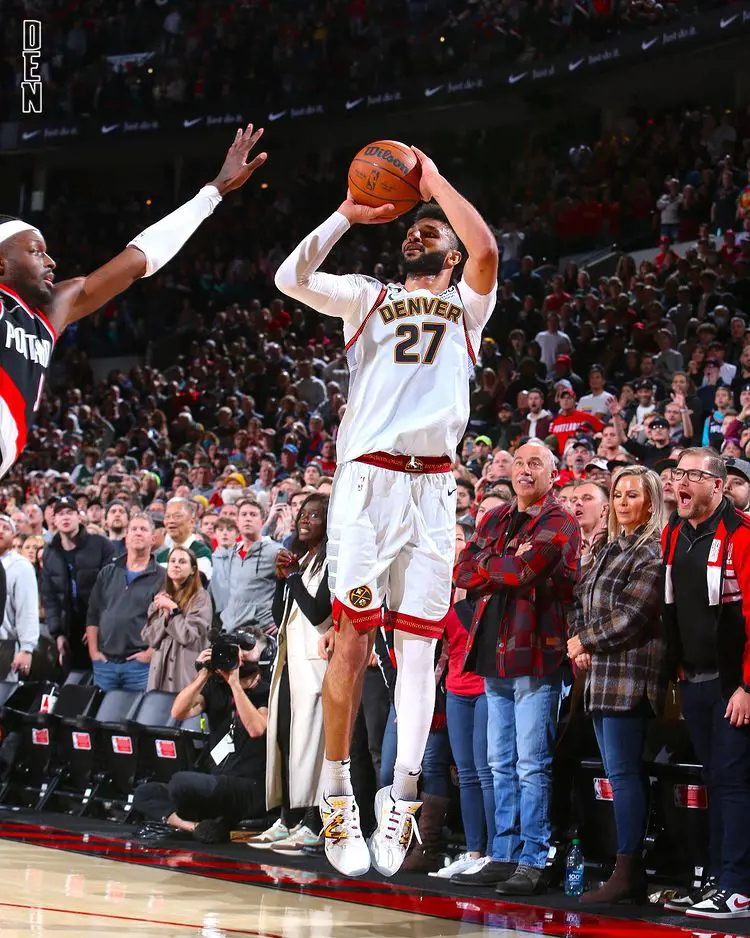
[
  {"x": 405, "y": 785},
  {"x": 338, "y": 778}
]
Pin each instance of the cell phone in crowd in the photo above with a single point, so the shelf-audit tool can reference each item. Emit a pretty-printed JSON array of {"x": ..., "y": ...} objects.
[{"x": 281, "y": 498}]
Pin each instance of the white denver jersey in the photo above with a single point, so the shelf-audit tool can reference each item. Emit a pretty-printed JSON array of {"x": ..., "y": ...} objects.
[
  {"x": 410, "y": 356},
  {"x": 409, "y": 353}
]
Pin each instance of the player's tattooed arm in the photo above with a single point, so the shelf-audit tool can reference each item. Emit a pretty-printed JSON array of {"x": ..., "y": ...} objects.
[
  {"x": 158, "y": 244},
  {"x": 480, "y": 271}
]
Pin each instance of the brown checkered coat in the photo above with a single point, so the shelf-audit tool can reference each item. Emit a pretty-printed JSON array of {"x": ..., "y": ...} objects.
[{"x": 616, "y": 615}]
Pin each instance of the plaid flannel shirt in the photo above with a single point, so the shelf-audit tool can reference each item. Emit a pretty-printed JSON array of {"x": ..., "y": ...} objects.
[
  {"x": 536, "y": 588},
  {"x": 616, "y": 615}
]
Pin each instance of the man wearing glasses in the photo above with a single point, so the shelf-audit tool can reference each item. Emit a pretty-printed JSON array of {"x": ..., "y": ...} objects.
[{"x": 706, "y": 614}]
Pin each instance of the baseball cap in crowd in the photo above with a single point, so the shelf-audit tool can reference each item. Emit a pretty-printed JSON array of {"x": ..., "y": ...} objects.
[
  {"x": 506, "y": 406},
  {"x": 644, "y": 383},
  {"x": 201, "y": 499},
  {"x": 598, "y": 462},
  {"x": 584, "y": 441},
  {"x": 665, "y": 239},
  {"x": 9, "y": 521},
  {"x": 563, "y": 360},
  {"x": 728, "y": 233},
  {"x": 289, "y": 448},
  {"x": 236, "y": 477},
  {"x": 484, "y": 439},
  {"x": 663, "y": 464},
  {"x": 738, "y": 467},
  {"x": 66, "y": 503},
  {"x": 745, "y": 387},
  {"x": 659, "y": 422},
  {"x": 570, "y": 393}
]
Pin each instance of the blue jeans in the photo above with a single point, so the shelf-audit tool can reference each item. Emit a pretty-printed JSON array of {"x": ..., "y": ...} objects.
[
  {"x": 521, "y": 726},
  {"x": 125, "y": 675},
  {"x": 435, "y": 762},
  {"x": 467, "y": 731},
  {"x": 724, "y": 753},
  {"x": 621, "y": 737}
]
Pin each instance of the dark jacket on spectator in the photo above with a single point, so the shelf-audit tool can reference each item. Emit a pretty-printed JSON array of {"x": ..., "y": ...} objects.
[
  {"x": 119, "y": 611},
  {"x": 532, "y": 593},
  {"x": 728, "y": 576},
  {"x": 92, "y": 553}
]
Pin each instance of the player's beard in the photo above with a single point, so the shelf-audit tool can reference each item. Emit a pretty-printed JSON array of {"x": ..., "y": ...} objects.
[{"x": 428, "y": 262}]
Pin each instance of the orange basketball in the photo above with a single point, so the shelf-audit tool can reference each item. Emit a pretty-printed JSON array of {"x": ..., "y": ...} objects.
[{"x": 386, "y": 171}]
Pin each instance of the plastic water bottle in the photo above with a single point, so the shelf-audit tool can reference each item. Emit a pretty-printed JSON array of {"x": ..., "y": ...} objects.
[{"x": 574, "y": 869}]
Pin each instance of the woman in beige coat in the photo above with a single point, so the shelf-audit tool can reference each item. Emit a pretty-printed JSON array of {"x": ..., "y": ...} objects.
[
  {"x": 177, "y": 624},
  {"x": 295, "y": 748}
]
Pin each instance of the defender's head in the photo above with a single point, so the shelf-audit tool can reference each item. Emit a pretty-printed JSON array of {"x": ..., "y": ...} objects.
[
  {"x": 25, "y": 265},
  {"x": 431, "y": 244}
]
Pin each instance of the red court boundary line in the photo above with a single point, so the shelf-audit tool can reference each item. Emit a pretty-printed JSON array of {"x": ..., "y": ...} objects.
[
  {"x": 134, "y": 918},
  {"x": 483, "y": 911}
]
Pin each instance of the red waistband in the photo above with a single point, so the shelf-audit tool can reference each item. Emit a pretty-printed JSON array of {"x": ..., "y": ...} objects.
[{"x": 416, "y": 464}]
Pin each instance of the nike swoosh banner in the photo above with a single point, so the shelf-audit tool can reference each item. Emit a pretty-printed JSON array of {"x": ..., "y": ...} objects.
[{"x": 625, "y": 50}]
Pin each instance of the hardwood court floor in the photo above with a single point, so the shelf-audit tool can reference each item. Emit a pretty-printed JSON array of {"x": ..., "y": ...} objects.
[{"x": 64, "y": 883}]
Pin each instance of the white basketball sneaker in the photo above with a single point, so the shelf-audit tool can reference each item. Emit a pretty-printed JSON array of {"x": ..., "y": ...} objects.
[
  {"x": 397, "y": 824},
  {"x": 345, "y": 846}
]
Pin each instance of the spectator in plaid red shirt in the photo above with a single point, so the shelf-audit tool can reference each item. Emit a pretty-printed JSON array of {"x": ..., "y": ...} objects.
[{"x": 521, "y": 566}]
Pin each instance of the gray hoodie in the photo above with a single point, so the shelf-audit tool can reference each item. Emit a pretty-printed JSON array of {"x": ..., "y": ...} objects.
[
  {"x": 219, "y": 585},
  {"x": 251, "y": 584},
  {"x": 21, "y": 620}
]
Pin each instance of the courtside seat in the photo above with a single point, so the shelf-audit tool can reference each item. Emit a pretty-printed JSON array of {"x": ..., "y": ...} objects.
[{"x": 165, "y": 746}]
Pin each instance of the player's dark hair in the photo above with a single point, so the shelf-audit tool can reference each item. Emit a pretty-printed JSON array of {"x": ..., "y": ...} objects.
[{"x": 433, "y": 211}]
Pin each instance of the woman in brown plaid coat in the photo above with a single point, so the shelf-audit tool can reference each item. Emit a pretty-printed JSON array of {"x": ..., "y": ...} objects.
[{"x": 615, "y": 638}]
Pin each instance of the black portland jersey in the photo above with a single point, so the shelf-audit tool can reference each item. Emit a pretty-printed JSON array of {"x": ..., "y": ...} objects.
[{"x": 26, "y": 343}]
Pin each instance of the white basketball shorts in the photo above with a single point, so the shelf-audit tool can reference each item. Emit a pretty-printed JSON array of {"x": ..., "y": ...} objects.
[{"x": 391, "y": 537}]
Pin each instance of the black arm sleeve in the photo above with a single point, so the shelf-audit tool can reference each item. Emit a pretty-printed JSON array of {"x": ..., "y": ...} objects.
[
  {"x": 638, "y": 450},
  {"x": 314, "y": 608},
  {"x": 277, "y": 608}
]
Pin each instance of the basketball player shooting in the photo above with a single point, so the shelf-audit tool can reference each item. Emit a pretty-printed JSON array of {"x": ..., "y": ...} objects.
[{"x": 392, "y": 516}]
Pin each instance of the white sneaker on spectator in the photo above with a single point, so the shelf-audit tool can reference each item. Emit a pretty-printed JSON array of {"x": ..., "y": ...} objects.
[
  {"x": 277, "y": 831},
  {"x": 300, "y": 837},
  {"x": 462, "y": 864},
  {"x": 397, "y": 824},
  {"x": 345, "y": 845}
]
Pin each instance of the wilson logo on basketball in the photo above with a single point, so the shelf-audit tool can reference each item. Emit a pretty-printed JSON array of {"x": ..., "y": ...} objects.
[
  {"x": 387, "y": 157},
  {"x": 360, "y": 597}
]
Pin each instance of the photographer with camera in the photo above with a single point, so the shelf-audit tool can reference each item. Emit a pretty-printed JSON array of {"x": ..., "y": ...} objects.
[{"x": 231, "y": 689}]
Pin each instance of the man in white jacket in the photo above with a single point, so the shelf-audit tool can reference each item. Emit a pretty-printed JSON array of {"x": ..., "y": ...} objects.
[{"x": 20, "y": 624}]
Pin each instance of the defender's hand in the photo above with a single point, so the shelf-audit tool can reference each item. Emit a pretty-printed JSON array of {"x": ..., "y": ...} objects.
[{"x": 236, "y": 170}]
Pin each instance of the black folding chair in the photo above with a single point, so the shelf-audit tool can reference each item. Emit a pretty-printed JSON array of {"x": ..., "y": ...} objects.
[{"x": 82, "y": 739}]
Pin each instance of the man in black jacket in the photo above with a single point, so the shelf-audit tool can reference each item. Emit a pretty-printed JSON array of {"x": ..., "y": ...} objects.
[
  {"x": 71, "y": 564},
  {"x": 117, "y": 611}
]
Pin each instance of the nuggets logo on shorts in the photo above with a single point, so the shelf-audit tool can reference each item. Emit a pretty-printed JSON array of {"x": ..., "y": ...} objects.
[{"x": 360, "y": 597}]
